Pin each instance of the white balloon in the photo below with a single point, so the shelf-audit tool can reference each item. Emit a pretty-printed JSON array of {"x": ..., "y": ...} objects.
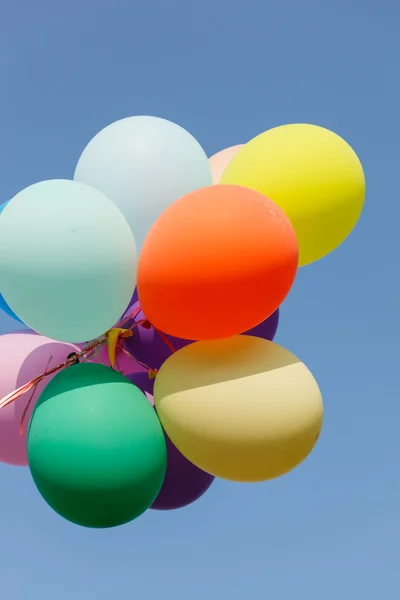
[{"x": 143, "y": 164}]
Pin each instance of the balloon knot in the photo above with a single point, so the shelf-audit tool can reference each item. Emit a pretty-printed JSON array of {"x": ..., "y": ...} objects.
[
  {"x": 152, "y": 373},
  {"x": 146, "y": 324},
  {"x": 71, "y": 355}
]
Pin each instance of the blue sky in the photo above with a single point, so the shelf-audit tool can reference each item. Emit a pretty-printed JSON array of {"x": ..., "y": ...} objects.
[{"x": 227, "y": 71}]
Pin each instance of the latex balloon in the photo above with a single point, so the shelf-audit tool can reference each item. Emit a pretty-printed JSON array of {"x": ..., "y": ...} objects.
[
  {"x": 23, "y": 356},
  {"x": 220, "y": 160},
  {"x": 147, "y": 345},
  {"x": 3, "y": 304},
  {"x": 144, "y": 164},
  {"x": 68, "y": 260},
  {"x": 151, "y": 349},
  {"x": 5, "y": 308},
  {"x": 267, "y": 329},
  {"x": 183, "y": 484},
  {"x": 9, "y": 325},
  {"x": 96, "y": 448},
  {"x": 313, "y": 175},
  {"x": 146, "y": 385},
  {"x": 243, "y": 408},
  {"x": 216, "y": 263},
  {"x": 123, "y": 363}
]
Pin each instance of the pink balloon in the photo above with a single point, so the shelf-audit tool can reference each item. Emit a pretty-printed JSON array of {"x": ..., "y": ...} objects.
[
  {"x": 220, "y": 160},
  {"x": 23, "y": 356}
]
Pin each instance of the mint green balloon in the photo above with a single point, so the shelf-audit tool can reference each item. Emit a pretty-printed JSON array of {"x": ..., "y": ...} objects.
[
  {"x": 67, "y": 260},
  {"x": 96, "y": 449}
]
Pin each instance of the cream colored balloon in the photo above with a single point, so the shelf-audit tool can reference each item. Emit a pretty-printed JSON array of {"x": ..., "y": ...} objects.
[
  {"x": 242, "y": 409},
  {"x": 220, "y": 160}
]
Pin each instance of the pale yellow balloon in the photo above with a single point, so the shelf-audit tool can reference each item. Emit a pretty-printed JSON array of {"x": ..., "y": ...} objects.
[
  {"x": 313, "y": 175},
  {"x": 220, "y": 160},
  {"x": 243, "y": 408}
]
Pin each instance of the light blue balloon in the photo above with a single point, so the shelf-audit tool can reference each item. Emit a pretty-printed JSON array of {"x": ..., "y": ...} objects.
[
  {"x": 68, "y": 260},
  {"x": 3, "y": 304},
  {"x": 144, "y": 164},
  {"x": 5, "y": 308},
  {"x": 9, "y": 325}
]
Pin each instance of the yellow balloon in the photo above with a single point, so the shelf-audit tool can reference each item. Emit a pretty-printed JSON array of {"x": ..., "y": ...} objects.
[
  {"x": 242, "y": 409},
  {"x": 313, "y": 175}
]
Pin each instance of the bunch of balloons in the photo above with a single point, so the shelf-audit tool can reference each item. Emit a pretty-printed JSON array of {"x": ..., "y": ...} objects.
[{"x": 150, "y": 285}]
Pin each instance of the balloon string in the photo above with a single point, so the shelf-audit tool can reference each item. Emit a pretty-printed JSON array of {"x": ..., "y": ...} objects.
[
  {"x": 165, "y": 339},
  {"x": 147, "y": 325},
  {"x": 21, "y": 423},
  {"x": 9, "y": 398},
  {"x": 129, "y": 317},
  {"x": 151, "y": 372},
  {"x": 84, "y": 355}
]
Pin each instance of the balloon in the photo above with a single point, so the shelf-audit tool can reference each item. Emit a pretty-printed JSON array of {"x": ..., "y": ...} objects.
[
  {"x": 146, "y": 385},
  {"x": 149, "y": 347},
  {"x": 183, "y": 484},
  {"x": 23, "y": 356},
  {"x": 267, "y": 329},
  {"x": 243, "y": 408},
  {"x": 96, "y": 448},
  {"x": 216, "y": 263},
  {"x": 123, "y": 363},
  {"x": 3, "y": 304},
  {"x": 313, "y": 175},
  {"x": 144, "y": 164},
  {"x": 220, "y": 160},
  {"x": 68, "y": 260},
  {"x": 5, "y": 308}
]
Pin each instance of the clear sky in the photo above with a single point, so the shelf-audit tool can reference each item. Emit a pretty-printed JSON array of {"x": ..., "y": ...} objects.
[{"x": 227, "y": 71}]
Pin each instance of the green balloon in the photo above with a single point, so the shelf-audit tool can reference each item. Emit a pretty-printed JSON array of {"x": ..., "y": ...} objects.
[{"x": 96, "y": 448}]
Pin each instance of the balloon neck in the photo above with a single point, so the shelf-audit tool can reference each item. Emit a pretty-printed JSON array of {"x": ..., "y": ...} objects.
[{"x": 113, "y": 338}]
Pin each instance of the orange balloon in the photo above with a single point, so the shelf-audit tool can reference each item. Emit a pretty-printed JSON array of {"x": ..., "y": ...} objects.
[{"x": 216, "y": 263}]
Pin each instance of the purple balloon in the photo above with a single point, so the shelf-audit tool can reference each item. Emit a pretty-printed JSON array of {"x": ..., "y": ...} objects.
[
  {"x": 142, "y": 380},
  {"x": 184, "y": 483},
  {"x": 149, "y": 347},
  {"x": 146, "y": 344},
  {"x": 267, "y": 329}
]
